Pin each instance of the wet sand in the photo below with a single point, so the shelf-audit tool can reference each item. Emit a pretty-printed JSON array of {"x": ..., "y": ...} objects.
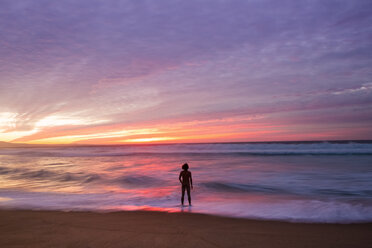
[{"x": 23, "y": 228}]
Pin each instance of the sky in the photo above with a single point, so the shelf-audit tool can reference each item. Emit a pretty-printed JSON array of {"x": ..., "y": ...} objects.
[{"x": 115, "y": 72}]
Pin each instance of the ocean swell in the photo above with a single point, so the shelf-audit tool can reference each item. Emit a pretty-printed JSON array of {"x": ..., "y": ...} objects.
[{"x": 261, "y": 149}]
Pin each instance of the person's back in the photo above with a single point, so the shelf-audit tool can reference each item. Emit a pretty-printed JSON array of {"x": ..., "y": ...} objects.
[
  {"x": 185, "y": 175},
  {"x": 186, "y": 181}
]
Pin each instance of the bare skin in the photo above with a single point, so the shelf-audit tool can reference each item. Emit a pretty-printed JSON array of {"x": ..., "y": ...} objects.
[{"x": 186, "y": 181}]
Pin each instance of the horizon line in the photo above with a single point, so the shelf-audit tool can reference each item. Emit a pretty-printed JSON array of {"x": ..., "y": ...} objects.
[{"x": 23, "y": 145}]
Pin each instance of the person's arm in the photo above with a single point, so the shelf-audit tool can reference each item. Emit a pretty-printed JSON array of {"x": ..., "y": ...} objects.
[
  {"x": 179, "y": 178},
  {"x": 191, "y": 181}
]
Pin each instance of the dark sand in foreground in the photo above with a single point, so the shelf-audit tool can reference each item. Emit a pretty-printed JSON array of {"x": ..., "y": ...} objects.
[{"x": 20, "y": 228}]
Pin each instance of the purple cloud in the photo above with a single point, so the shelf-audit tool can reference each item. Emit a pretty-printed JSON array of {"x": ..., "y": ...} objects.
[{"x": 139, "y": 61}]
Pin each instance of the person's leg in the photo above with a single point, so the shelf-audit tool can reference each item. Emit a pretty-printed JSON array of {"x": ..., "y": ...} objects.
[
  {"x": 183, "y": 193},
  {"x": 188, "y": 194}
]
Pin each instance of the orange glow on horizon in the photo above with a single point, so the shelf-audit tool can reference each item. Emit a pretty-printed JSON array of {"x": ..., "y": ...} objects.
[
  {"x": 154, "y": 139},
  {"x": 210, "y": 130},
  {"x": 66, "y": 130}
]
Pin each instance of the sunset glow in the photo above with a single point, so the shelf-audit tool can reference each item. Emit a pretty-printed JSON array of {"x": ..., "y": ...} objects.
[
  {"x": 89, "y": 72},
  {"x": 141, "y": 140}
]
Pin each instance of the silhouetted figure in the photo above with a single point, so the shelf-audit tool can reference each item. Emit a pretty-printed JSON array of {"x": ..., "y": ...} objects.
[{"x": 186, "y": 181}]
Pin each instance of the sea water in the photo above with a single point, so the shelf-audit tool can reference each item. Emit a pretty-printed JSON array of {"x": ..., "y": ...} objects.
[{"x": 292, "y": 181}]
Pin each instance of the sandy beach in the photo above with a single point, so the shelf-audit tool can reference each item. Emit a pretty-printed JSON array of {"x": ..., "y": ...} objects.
[{"x": 23, "y": 228}]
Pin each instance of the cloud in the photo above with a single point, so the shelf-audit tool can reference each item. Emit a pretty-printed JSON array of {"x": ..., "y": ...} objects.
[
  {"x": 367, "y": 87},
  {"x": 125, "y": 63}
]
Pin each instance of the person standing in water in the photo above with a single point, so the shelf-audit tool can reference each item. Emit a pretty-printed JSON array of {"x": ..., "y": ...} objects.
[{"x": 186, "y": 181}]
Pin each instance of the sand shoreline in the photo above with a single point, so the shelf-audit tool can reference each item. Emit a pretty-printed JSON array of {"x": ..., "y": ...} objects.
[{"x": 27, "y": 228}]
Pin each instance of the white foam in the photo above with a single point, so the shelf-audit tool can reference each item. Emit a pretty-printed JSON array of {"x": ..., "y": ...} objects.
[{"x": 294, "y": 210}]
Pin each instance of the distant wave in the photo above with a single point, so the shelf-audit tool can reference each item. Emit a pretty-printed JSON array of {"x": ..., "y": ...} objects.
[
  {"x": 259, "y": 149},
  {"x": 247, "y": 153},
  {"x": 125, "y": 181},
  {"x": 48, "y": 175},
  {"x": 235, "y": 187},
  {"x": 257, "y": 188},
  {"x": 137, "y": 181}
]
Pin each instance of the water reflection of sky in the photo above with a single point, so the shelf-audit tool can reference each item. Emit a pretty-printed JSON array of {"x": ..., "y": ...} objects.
[{"x": 263, "y": 186}]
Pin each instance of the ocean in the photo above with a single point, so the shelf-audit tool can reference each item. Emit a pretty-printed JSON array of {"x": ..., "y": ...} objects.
[{"x": 324, "y": 182}]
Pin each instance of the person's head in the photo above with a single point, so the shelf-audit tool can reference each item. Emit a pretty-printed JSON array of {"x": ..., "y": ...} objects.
[{"x": 185, "y": 166}]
